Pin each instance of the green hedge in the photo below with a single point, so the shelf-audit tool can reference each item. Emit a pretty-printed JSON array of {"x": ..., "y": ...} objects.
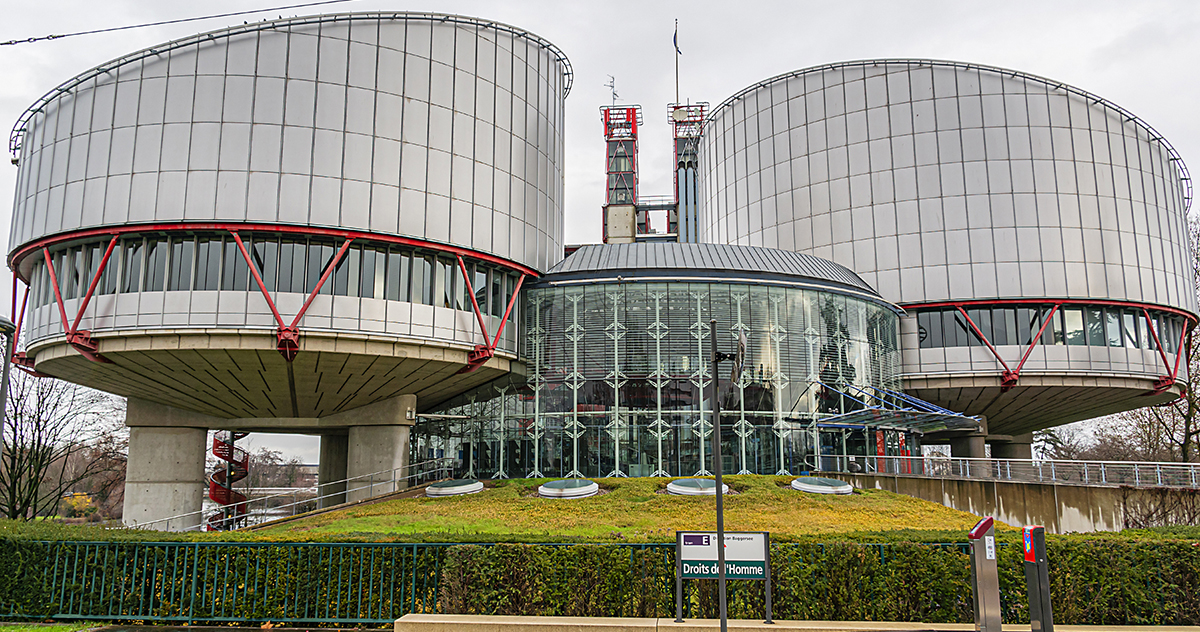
[
  {"x": 1095, "y": 583},
  {"x": 1101, "y": 581}
]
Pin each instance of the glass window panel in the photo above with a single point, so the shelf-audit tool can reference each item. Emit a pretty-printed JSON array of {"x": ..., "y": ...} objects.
[
  {"x": 286, "y": 251},
  {"x": 208, "y": 263},
  {"x": 346, "y": 271},
  {"x": 422, "y": 280},
  {"x": 1095, "y": 326},
  {"x": 448, "y": 281},
  {"x": 1130, "y": 320},
  {"x": 320, "y": 256},
  {"x": 1113, "y": 317},
  {"x": 182, "y": 254},
  {"x": 131, "y": 274},
  {"x": 924, "y": 335},
  {"x": 1027, "y": 325},
  {"x": 235, "y": 271},
  {"x": 480, "y": 286},
  {"x": 1000, "y": 327},
  {"x": 497, "y": 293},
  {"x": 264, "y": 252},
  {"x": 396, "y": 283},
  {"x": 366, "y": 279},
  {"x": 1073, "y": 323},
  {"x": 156, "y": 264},
  {"x": 950, "y": 328}
]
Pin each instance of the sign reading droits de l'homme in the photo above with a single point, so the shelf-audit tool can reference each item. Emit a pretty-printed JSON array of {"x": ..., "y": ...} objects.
[{"x": 745, "y": 555}]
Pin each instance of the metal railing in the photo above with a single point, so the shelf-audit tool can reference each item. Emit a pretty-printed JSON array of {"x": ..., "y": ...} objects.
[
  {"x": 1097, "y": 473},
  {"x": 298, "y": 583},
  {"x": 274, "y": 506}
]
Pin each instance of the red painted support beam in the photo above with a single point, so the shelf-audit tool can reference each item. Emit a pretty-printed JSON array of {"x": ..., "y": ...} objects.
[
  {"x": 289, "y": 337},
  {"x": 257, "y": 277}
]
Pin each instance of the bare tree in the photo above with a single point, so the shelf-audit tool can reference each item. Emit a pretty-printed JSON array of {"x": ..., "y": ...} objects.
[{"x": 55, "y": 437}]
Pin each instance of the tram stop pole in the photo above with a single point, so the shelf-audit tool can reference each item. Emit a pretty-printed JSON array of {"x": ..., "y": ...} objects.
[
  {"x": 985, "y": 579},
  {"x": 717, "y": 463},
  {"x": 1037, "y": 580}
]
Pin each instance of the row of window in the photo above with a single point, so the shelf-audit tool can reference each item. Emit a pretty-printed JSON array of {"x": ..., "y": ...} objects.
[
  {"x": 213, "y": 261},
  {"x": 1070, "y": 325}
]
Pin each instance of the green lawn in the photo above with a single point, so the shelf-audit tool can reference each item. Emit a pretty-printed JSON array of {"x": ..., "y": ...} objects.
[{"x": 632, "y": 510}]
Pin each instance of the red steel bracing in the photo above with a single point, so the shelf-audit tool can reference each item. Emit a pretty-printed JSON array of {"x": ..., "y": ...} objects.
[
  {"x": 984, "y": 339},
  {"x": 220, "y": 482},
  {"x": 16, "y": 257},
  {"x": 288, "y": 335},
  {"x": 484, "y": 352},
  {"x": 1010, "y": 376},
  {"x": 1166, "y": 381},
  {"x": 19, "y": 359},
  {"x": 79, "y": 339}
]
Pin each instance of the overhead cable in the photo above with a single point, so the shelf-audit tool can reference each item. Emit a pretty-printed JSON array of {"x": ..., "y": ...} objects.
[{"x": 138, "y": 26}]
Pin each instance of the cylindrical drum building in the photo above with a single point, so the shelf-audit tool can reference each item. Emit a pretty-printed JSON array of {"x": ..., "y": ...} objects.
[
  {"x": 1034, "y": 233},
  {"x": 277, "y": 223}
]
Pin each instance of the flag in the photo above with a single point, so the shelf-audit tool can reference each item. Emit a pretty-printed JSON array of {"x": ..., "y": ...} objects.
[{"x": 676, "y": 39}]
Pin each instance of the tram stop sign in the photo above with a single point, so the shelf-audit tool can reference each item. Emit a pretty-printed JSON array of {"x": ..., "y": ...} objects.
[{"x": 745, "y": 554}]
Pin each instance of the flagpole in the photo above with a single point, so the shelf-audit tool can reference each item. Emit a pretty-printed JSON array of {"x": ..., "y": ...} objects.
[{"x": 677, "y": 61}]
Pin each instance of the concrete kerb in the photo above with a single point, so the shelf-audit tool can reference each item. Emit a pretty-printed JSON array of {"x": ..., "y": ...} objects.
[{"x": 481, "y": 623}]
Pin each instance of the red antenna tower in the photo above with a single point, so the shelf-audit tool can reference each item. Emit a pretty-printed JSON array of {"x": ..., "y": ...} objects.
[{"x": 620, "y": 192}]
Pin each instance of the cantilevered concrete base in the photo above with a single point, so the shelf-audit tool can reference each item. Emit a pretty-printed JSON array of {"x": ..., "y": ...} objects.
[{"x": 165, "y": 474}]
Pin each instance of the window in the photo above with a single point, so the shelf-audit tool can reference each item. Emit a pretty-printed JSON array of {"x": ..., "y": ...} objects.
[
  {"x": 497, "y": 293},
  {"x": 235, "y": 271},
  {"x": 156, "y": 265},
  {"x": 131, "y": 273},
  {"x": 291, "y": 266},
  {"x": 1113, "y": 327},
  {"x": 182, "y": 250},
  {"x": 366, "y": 277},
  {"x": 320, "y": 255},
  {"x": 208, "y": 263},
  {"x": 264, "y": 251},
  {"x": 422, "y": 280},
  {"x": 396, "y": 283}
]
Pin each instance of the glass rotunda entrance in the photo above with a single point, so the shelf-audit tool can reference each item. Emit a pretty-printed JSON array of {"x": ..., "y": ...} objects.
[{"x": 616, "y": 345}]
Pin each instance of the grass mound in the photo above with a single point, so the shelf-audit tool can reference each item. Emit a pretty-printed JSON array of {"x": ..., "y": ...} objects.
[{"x": 632, "y": 510}]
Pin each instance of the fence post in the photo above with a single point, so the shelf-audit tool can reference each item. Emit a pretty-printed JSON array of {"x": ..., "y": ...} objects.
[
  {"x": 1137, "y": 476},
  {"x": 1103, "y": 475}
]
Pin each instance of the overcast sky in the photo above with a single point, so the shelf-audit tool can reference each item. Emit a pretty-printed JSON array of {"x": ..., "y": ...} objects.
[{"x": 1142, "y": 55}]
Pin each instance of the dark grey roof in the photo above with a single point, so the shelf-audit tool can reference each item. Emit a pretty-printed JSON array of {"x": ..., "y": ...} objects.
[{"x": 645, "y": 259}]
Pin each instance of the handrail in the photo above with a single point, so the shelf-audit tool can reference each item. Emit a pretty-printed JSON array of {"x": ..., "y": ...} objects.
[
  {"x": 373, "y": 480},
  {"x": 1139, "y": 474}
]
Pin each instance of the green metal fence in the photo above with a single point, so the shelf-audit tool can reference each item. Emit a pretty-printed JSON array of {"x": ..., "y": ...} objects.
[
  {"x": 231, "y": 582},
  {"x": 235, "y": 582}
]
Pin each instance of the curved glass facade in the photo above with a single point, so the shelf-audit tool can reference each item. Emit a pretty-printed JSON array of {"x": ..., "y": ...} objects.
[
  {"x": 186, "y": 279},
  {"x": 618, "y": 377}
]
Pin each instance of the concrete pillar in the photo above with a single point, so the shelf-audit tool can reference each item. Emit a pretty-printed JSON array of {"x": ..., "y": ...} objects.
[
  {"x": 968, "y": 447},
  {"x": 164, "y": 476},
  {"x": 331, "y": 471},
  {"x": 1021, "y": 447},
  {"x": 378, "y": 446}
]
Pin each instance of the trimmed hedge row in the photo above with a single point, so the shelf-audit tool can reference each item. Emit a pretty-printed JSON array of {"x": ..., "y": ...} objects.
[
  {"x": 1093, "y": 583},
  {"x": 1099, "y": 582}
]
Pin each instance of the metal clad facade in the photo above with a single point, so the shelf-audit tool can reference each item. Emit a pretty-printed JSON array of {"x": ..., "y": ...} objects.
[
  {"x": 439, "y": 128},
  {"x": 939, "y": 181}
]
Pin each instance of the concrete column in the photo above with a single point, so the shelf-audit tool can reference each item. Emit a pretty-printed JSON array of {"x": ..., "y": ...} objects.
[
  {"x": 378, "y": 446},
  {"x": 1021, "y": 447},
  {"x": 164, "y": 476},
  {"x": 332, "y": 467},
  {"x": 968, "y": 447}
]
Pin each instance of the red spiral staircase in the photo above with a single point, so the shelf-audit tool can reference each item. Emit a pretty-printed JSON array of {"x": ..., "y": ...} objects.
[{"x": 220, "y": 482}]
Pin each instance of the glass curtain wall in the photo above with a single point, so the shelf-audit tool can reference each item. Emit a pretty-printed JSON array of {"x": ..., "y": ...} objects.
[{"x": 618, "y": 380}]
